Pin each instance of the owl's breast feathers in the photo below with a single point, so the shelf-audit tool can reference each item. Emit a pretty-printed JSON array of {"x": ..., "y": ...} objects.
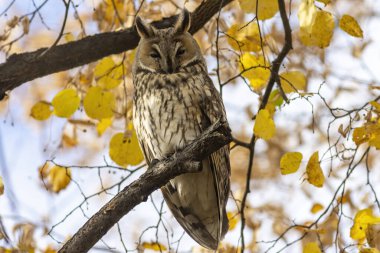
[
  {"x": 169, "y": 112},
  {"x": 168, "y": 109}
]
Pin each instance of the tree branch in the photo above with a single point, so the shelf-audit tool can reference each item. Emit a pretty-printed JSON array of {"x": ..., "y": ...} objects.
[
  {"x": 275, "y": 68},
  {"x": 185, "y": 161},
  {"x": 24, "y": 67}
]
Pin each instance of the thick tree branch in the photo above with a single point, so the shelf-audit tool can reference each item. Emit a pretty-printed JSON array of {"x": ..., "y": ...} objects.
[
  {"x": 185, "y": 161},
  {"x": 20, "y": 68}
]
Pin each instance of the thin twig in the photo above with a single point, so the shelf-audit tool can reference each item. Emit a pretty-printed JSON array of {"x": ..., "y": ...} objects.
[
  {"x": 274, "y": 75},
  {"x": 7, "y": 8},
  {"x": 67, "y": 6}
]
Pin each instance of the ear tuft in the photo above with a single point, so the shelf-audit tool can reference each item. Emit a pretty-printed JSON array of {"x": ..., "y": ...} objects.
[
  {"x": 182, "y": 24},
  {"x": 144, "y": 30}
]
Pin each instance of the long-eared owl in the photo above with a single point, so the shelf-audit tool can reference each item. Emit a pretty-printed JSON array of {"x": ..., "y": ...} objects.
[{"x": 174, "y": 102}]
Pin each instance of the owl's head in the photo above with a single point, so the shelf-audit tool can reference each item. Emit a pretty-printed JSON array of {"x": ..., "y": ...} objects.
[{"x": 169, "y": 50}]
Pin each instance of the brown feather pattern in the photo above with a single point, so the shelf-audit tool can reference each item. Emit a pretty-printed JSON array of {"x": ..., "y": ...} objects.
[{"x": 171, "y": 110}]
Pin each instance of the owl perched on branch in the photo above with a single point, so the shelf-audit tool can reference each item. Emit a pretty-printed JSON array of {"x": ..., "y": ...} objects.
[{"x": 174, "y": 102}]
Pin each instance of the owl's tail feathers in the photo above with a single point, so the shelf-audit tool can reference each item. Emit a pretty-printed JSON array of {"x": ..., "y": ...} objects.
[
  {"x": 225, "y": 225},
  {"x": 203, "y": 236},
  {"x": 203, "y": 233}
]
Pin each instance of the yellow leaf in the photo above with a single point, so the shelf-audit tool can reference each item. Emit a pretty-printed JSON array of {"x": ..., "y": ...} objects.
[
  {"x": 232, "y": 220},
  {"x": 316, "y": 26},
  {"x": 266, "y": 10},
  {"x": 376, "y": 105},
  {"x": 99, "y": 104},
  {"x": 290, "y": 162},
  {"x": 275, "y": 98},
  {"x": 111, "y": 7},
  {"x": 314, "y": 172},
  {"x": 360, "y": 135},
  {"x": 362, "y": 219},
  {"x": 249, "y": 63},
  {"x": 375, "y": 141},
  {"x": 65, "y": 103},
  {"x": 153, "y": 246},
  {"x": 350, "y": 26},
  {"x": 370, "y": 133},
  {"x": 131, "y": 55},
  {"x": 311, "y": 247},
  {"x": 69, "y": 37},
  {"x": 41, "y": 110},
  {"x": 108, "y": 75},
  {"x": 316, "y": 208},
  {"x": 244, "y": 38},
  {"x": 271, "y": 109},
  {"x": 293, "y": 81},
  {"x": 306, "y": 14},
  {"x": 103, "y": 125},
  {"x": 44, "y": 170},
  {"x": 369, "y": 250},
  {"x": 326, "y": 2},
  {"x": 1, "y": 186},
  {"x": 125, "y": 150},
  {"x": 59, "y": 177},
  {"x": 264, "y": 125},
  {"x": 256, "y": 70},
  {"x": 7, "y": 250},
  {"x": 323, "y": 29}
]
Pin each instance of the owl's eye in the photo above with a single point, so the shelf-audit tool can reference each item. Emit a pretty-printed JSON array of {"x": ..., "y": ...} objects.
[
  {"x": 154, "y": 54},
  {"x": 180, "y": 52}
]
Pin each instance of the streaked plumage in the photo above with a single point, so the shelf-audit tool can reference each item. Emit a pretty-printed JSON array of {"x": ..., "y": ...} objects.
[{"x": 174, "y": 102}]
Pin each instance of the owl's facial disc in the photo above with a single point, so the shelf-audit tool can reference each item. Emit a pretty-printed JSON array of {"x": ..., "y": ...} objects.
[
  {"x": 167, "y": 51},
  {"x": 168, "y": 54}
]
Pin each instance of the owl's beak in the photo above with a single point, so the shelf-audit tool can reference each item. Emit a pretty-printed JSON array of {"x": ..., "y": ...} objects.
[
  {"x": 169, "y": 70},
  {"x": 169, "y": 66}
]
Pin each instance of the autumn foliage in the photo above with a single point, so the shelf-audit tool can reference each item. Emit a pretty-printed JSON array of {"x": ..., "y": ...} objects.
[{"x": 305, "y": 154}]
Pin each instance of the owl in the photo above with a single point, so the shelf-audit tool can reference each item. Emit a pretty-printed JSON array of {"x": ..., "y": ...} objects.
[{"x": 174, "y": 102}]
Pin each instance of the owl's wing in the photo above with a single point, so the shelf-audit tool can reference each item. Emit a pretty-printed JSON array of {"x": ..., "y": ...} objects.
[
  {"x": 190, "y": 222},
  {"x": 206, "y": 234},
  {"x": 146, "y": 151},
  {"x": 213, "y": 110}
]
